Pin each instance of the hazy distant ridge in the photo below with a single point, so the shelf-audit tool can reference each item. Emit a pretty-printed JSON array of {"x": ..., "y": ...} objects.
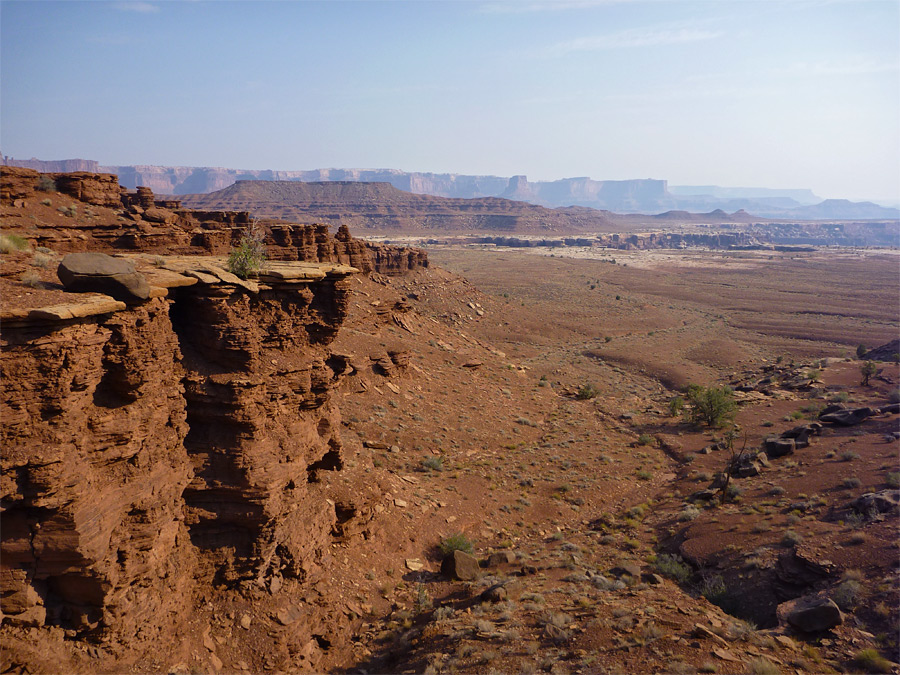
[{"x": 622, "y": 196}]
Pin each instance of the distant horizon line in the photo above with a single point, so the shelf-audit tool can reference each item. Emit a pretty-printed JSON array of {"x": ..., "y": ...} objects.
[{"x": 891, "y": 201}]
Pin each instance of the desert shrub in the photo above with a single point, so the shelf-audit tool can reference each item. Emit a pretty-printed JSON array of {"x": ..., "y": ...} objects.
[
  {"x": 645, "y": 439},
  {"x": 712, "y": 406},
  {"x": 42, "y": 260},
  {"x": 70, "y": 211},
  {"x": 733, "y": 491},
  {"x": 894, "y": 395},
  {"x": 861, "y": 351},
  {"x": 814, "y": 375},
  {"x": 46, "y": 202},
  {"x": 791, "y": 538},
  {"x": 849, "y": 455},
  {"x": 11, "y": 243},
  {"x": 456, "y": 542},
  {"x": 676, "y": 405},
  {"x": 851, "y": 482},
  {"x": 433, "y": 463},
  {"x": 846, "y": 594},
  {"x": 673, "y": 566},
  {"x": 30, "y": 279},
  {"x": 855, "y": 520},
  {"x": 812, "y": 410},
  {"x": 443, "y": 613},
  {"x": 688, "y": 513},
  {"x": 873, "y": 662},
  {"x": 586, "y": 391},
  {"x": 249, "y": 255},
  {"x": 893, "y": 479},
  {"x": 762, "y": 666},
  {"x": 46, "y": 184},
  {"x": 651, "y": 631}
]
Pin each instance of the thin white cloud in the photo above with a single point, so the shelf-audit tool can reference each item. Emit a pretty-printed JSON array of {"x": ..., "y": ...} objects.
[
  {"x": 634, "y": 38},
  {"x": 136, "y": 6},
  {"x": 850, "y": 66}
]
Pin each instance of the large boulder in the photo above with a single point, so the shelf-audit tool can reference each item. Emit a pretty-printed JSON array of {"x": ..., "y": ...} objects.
[
  {"x": 157, "y": 215},
  {"x": 779, "y": 447},
  {"x": 847, "y": 418},
  {"x": 801, "y": 434},
  {"x": 810, "y": 614},
  {"x": 460, "y": 565},
  {"x": 101, "y": 273},
  {"x": 886, "y": 501}
]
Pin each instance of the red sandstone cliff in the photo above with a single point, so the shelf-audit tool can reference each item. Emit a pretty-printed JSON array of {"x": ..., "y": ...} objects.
[
  {"x": 158, "y": 448},
  {"x": 140, "y": 222}
]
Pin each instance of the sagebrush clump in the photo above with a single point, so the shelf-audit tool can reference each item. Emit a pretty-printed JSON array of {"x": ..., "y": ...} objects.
[
  {"x": 456, "y": 542},
  {"x": 250, "y": 254}
]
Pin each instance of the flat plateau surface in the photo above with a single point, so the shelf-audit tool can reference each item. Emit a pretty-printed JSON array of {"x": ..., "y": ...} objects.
[{"x": 493, "y": 442}]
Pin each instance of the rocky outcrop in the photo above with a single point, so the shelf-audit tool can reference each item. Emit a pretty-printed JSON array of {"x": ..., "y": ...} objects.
[
  {"x": 846, "y": 417},
  {"x": 93, "y": 471},
  {"x": 17, "y": 183},
  {"x": 810, "y": 614},
  {"x": 100, "y": 189},
  {"x": 101, "y": 273},
  {"x": 143, "y": 442},
  {"x": 873, "y": 503},
  {"x": 886, "y": 352},
  {"x": 393, "y": 260},
  {"x": 148, "y": 224}
]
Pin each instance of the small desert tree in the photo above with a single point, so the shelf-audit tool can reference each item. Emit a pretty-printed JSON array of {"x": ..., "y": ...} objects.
[
  {"x": 867, "y": 370},
  {"x": 861, "y": 351},
  {"x": 735, "y": 461},
  {"x": 712, "y": 406},
  {"x": 249, "y": 255}
]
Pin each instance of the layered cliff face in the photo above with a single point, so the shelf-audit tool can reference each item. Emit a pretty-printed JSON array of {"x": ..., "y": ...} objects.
[
  {"x": 380, "y": 207},
  {"x": 93, "y": 470},
  {"x": 144, "y": 441},
  {"x": 257, "y": 382},
  {"x": 158, "y": 449}
]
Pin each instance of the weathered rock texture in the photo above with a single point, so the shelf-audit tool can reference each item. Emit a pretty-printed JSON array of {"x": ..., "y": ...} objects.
[
  {"x": 257, "y": 383},
  {"x": 185, "y": 436},
  {"x": 93, "y": 470},
  {"x": 152, "y": 225}
]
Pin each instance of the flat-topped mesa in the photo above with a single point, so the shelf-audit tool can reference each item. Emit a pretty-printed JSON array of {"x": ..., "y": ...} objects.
[
  {"x": 148, "y": 438},
  {"x": 147, "y": 224}
]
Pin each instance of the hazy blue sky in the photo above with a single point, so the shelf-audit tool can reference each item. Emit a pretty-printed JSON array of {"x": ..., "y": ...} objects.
[{"x": 771, "y": 93}]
